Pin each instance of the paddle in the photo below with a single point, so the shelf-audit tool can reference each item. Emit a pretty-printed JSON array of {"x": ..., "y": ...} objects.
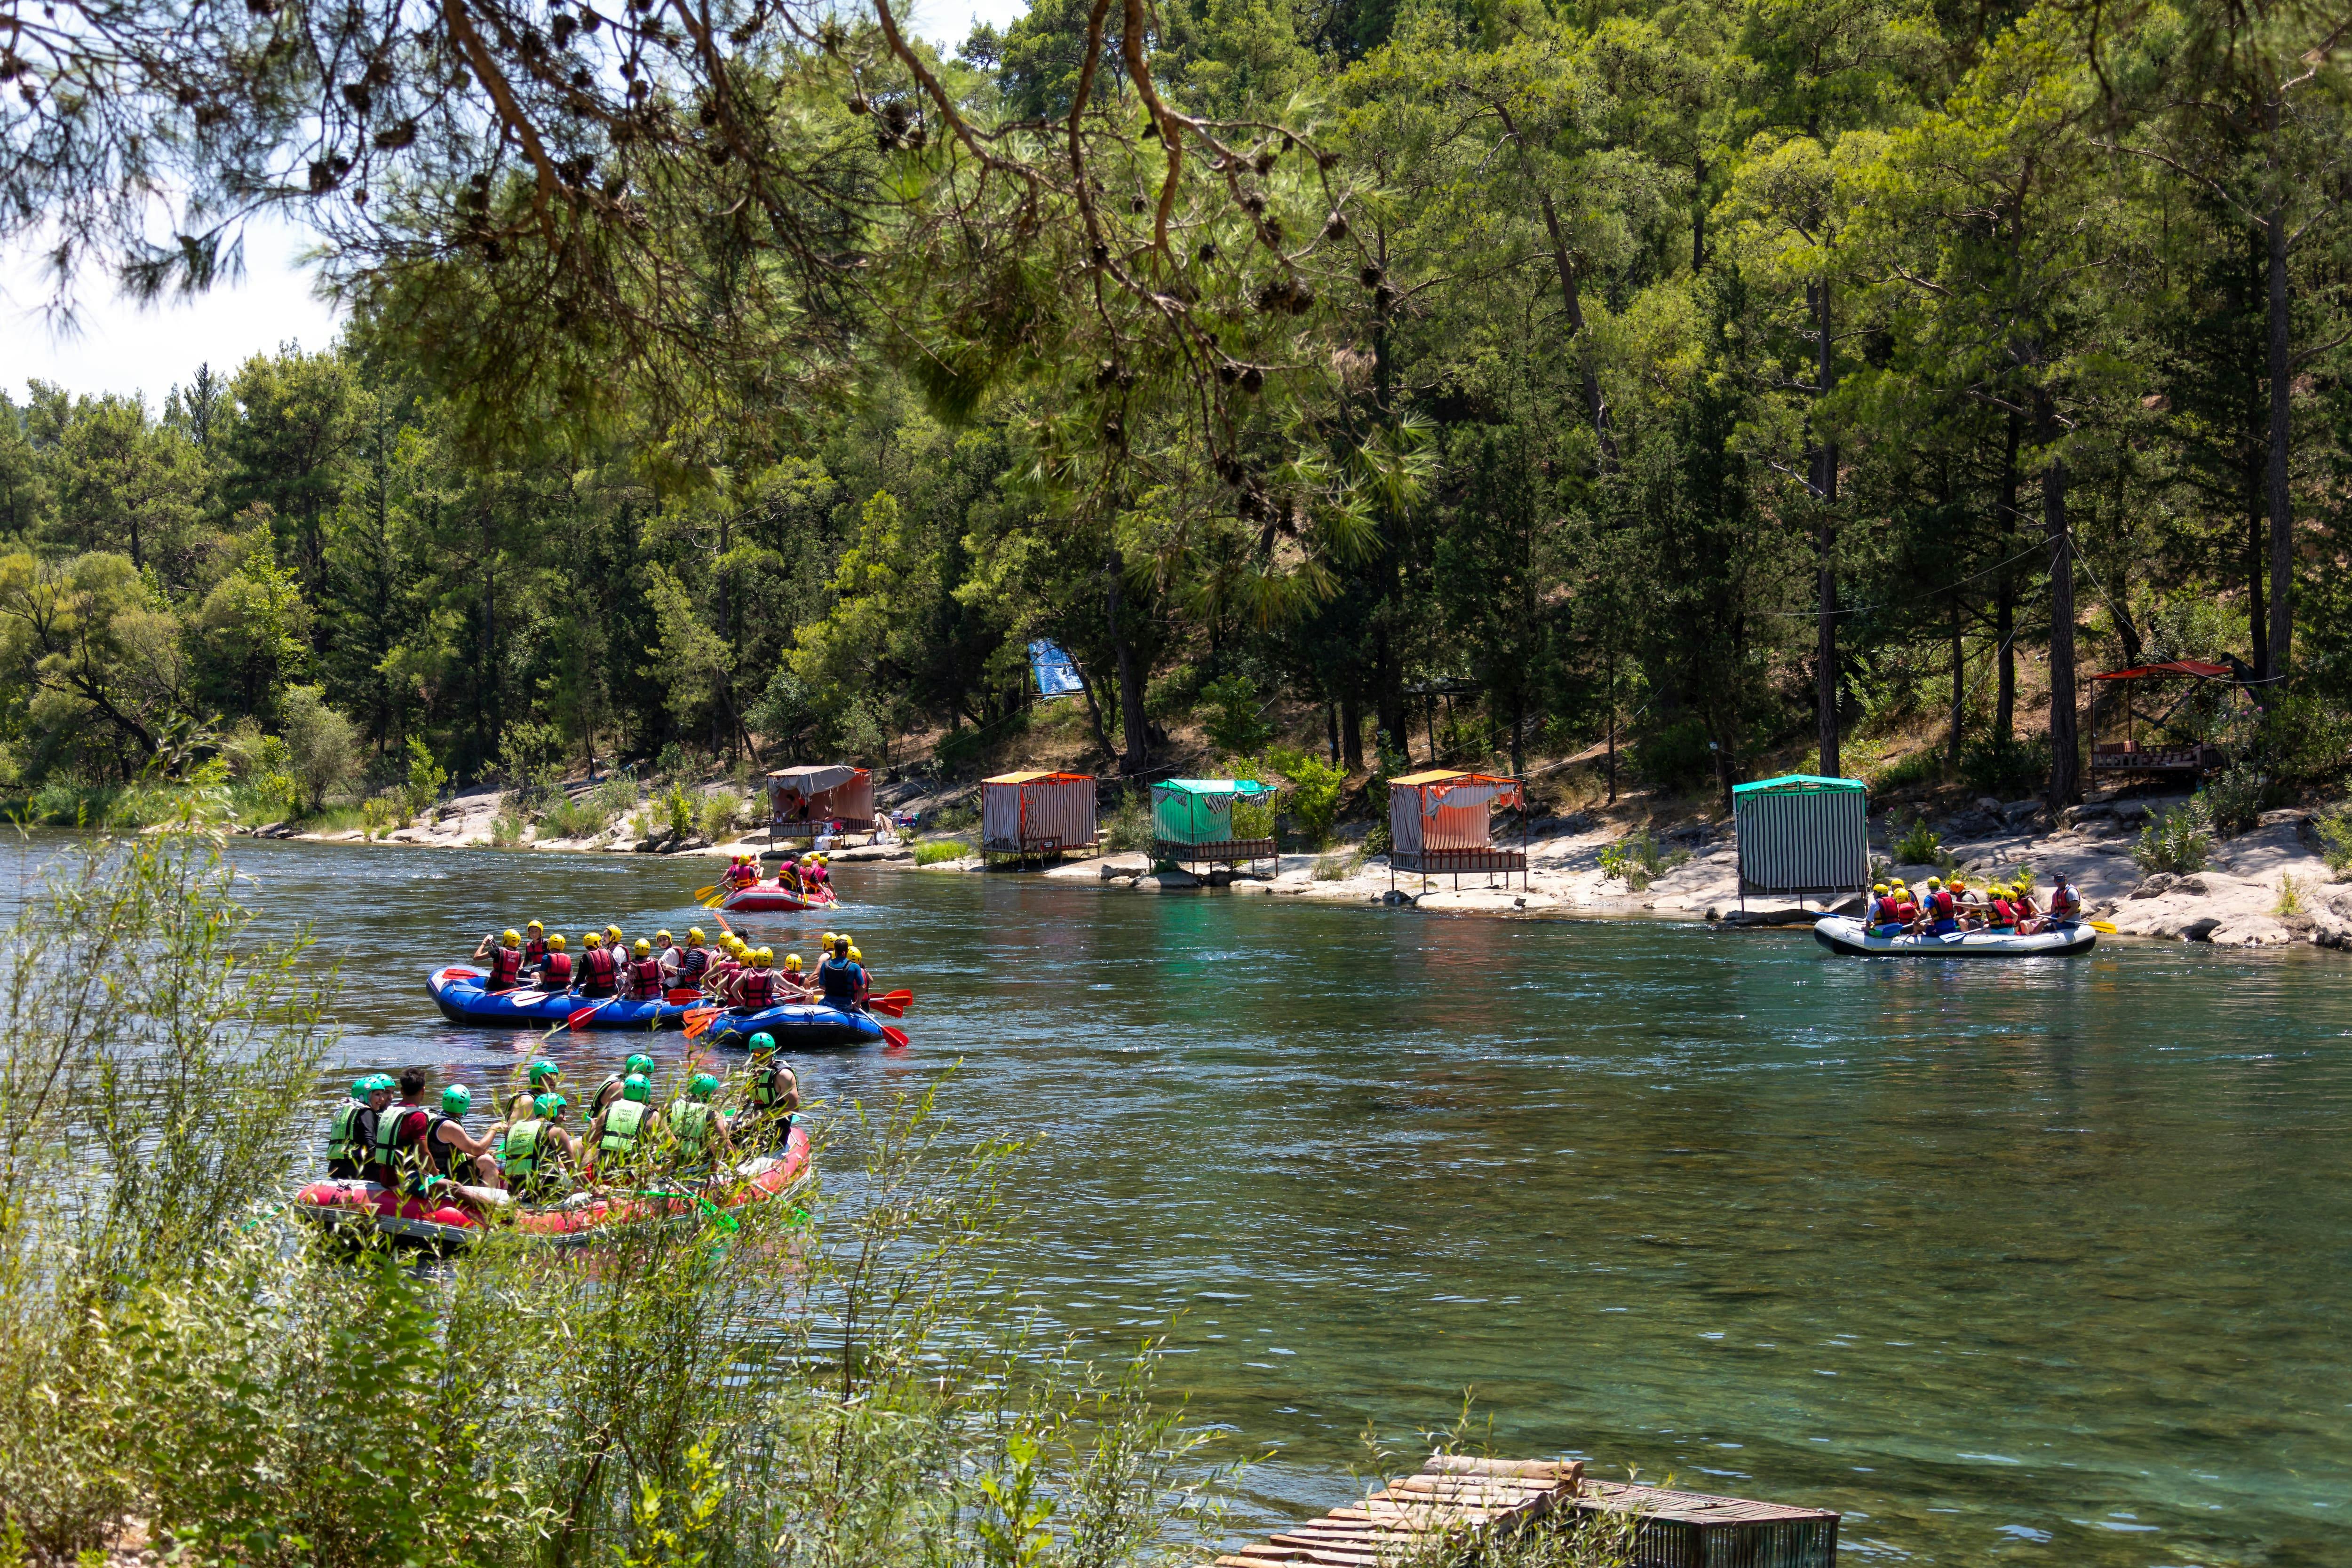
[
  {"x": 2103, "y": 927},
  {"x": 699, "y": 1021},
  {"x": 577, "y": 1018},
  {"x": 897, "y": 1037},
  {"x": 677, "y": 994},
  {"x": 702, "y": 892},
  {"x": 892, "y": 1005}
]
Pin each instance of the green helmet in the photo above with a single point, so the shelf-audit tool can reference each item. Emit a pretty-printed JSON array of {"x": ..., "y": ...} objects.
[
  {"x": 383, "y": 1081},
  {"x": 549, "y": 1104},
  {"x": 638, "y": 1063},
  {"x": 456, "y": 1100},
  {"x": 763, "y": 1041},
  {"x": 703, "y": 1087},
  {"x": 363, "y": 1087},
  {"x": 542, "y": 1071},
  {"x": 637, "y": 1087}
]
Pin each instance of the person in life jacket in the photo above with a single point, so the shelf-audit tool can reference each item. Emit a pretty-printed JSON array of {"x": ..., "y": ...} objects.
[
  {"x": 599, "y": 972},
  {"x": 2029, "y": 913},
  {"x": 350, "y": 1135},
  {"x": 615, "y": 1136},
  {"x": 2004, "y": 913},
  {"x": 555, "y": 969},
  {"x": 755, "y": 988},
  {"x": 2065, "y": 904},
  {"x": 770, "y": 1095},
  {"x": 719, "y": 979},
  {"x": 545, "y": 1077},
  {"x": 840, "y": 978},
  {"x": 688, "y": 964},
  {"x": 639, "y": 1065},
  {"x": 534, "y": 943},
  {"x": 504, "y": 954},
  {"x": 645, "y": 973},
  {"x": 1878, "y": 912},
  {"x": 399, "y": 1131},
  {"x": 697, "y": 1133},
  {"x": 815, "y": 878},
  {"x": 1937, "y": 911},
  {"x": 452, "y": 1152},
  {"x": 787, "y": 872},
  {"x": 538, "y": 1155},
  {"x": 795, "y": 980},
  {"x": 1906, "y": 906}
]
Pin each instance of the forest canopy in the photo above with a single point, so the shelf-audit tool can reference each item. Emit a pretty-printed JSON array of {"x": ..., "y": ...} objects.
[{"x": 1736, "y": 379}]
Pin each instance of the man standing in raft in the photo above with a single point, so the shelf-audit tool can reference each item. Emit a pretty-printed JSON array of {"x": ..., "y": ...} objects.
[{"x": 841, "y": 979}]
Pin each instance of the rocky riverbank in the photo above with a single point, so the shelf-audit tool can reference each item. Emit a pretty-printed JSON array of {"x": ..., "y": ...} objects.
[{"x": 2268, "y": 887}]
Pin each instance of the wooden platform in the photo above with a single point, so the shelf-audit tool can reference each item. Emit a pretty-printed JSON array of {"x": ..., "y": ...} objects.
[
  {"x": 1437, "y": 862},
  {"x": 1441, "y": 1514},
  {"x": 1231, "y": 852}
]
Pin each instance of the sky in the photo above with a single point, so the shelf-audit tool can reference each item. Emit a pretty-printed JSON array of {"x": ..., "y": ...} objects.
[{"x": 121, "y": 347}]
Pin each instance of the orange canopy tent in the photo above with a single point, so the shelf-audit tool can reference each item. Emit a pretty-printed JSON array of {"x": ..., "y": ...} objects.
[{"x": 1442, "y": 821}]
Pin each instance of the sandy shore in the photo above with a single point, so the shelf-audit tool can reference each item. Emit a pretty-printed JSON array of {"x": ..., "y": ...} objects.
[{"x": 2269, "y": 887}]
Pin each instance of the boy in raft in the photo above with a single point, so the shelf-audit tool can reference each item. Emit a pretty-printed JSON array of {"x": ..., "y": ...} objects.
[
  {"x": 1879, "y": 914},
  {"x": 770, "y": 1095},
  {"x": 693, "y": 961},
  {"x": 538, "y": 1155},
  {"x": 350, "y": 1137},
  {"x": 2029, "y": 913},
  {"x": 554, "y": 971},
  {"x": 696, "y": 1133},
  {"x": 645, "y": 973},
  {"x": 534, "y": 943},
  {"x": 740, "y": 873},
  {"x": 815, "y": 878},
  {"x": 755, "y": 988},
  {"x": 1942, "y": 910},
  {"x": 638, "y": 1066},
  {"x": 798, "y": 986},
  {"x": 503, "y": 953},
  {"x": 615, "y": 1137},
  {"x": 399, "y": 1131}
]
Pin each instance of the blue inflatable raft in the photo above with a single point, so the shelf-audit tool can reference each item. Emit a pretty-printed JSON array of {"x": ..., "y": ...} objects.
[{"x": 458, "y": 992}]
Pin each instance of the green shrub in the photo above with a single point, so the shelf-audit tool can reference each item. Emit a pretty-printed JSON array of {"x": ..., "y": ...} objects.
[
  {"x": 2334, "y": 829},
  {"x": 679, "y": 810},
  {"x": 721, "y": 814},
  {"x": 2303, "y": 742},
  {"x": 1637, "y": 859},
  {"x": 378, "y": 817},
  {"x": 1337, "y": 865},
  {"x": 931, "y": 852},
  {"x": 571, "y": 819},
  {"x": 1916, "y": 845},
  {"x": 2007, "y": 769},
  {"x": 427, "y": 778},
  {"x": 1315, "y": 787},
  {"x": 2179, "y": 840},
  {"x": 1235, "y": 725},
  {"x": 2290, "y": 897},
  {"x": 672, "y": 765},
  {"x": 1911, "y": 770},
  {"x": 2233, "y": 798},
  {"x": 1128, "y": 826}
]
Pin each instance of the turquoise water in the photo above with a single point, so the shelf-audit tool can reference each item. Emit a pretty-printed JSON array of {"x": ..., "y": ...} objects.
[{"x": 2045, "y": 1262}]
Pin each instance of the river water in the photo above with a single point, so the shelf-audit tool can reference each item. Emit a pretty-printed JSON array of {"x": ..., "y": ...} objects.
[{"x": 2046, "y": 1262}]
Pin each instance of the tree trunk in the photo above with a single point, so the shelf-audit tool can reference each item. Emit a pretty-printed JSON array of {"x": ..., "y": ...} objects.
[
  {"x": 2004, "y": 614},
  {"x": 1825, "y": 487},
  {"x": 1130, "y": 673},
  {"x": 1331, "y": 719},
  {"x": 1572, "y": 304},
  {"x": 2281, "y": 519},
  {"x": 1351, "y": 730},
  {"x": 1960, "y": 686},
  {"x": 2257, "y": 617},
  {"x": 2065, "y": 775}
]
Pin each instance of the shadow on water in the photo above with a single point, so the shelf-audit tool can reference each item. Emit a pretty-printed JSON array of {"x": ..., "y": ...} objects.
[{"x": 2042, "y": 1261}]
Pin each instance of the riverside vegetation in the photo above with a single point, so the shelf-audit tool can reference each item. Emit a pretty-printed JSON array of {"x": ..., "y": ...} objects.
[
  {"x": 836, "y": 1382},
  {"x": 1743, "y": 380}
]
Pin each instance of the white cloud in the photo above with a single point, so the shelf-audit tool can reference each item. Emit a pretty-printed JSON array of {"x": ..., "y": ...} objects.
[{"x": 123, "y": 347}]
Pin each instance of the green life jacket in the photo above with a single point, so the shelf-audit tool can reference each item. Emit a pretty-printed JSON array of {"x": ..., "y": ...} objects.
[
  {"x": 690, "y": 1122},
  {"x": 764, "y": 1088},
  {"x": 622, "y": 1121},
  {"x": 344, "y": 1140},
  {"x": 387, "y": 1133},
  {"x": 524, "y": 1147}
]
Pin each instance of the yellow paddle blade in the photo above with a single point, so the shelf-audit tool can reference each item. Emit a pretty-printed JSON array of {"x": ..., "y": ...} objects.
[
  {"x": 700, "y": 893},
  {"x": 2103, "y": 927}
]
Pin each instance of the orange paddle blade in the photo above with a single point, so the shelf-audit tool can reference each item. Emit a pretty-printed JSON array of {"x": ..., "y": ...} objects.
[
  {"x": 699, "y": 1021},
  {"x": 889, "y": 1007}
]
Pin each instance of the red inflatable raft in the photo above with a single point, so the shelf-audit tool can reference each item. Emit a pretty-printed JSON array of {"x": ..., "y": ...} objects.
[
  {"x": 769, "y": 898},
  {"x": 582, "y": 1219}
]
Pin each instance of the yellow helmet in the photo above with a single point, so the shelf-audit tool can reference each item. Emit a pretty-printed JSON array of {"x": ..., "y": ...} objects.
[
  {"x": 591, "y": 940},
  {"x": 663, "y": 938},
  {"x": 644, "y": 947},
  {"x": 694, "y": 934},
  {"x": 857, "y": 956},
  {"x": 792, "y": 962},
  {"x": 1934, "y": 883},
  {"x": 828, "y": 939},
  {"x": 841, "y": 939},
  {"x": 513, "y": 938},
  {"x": 534, "y": 925},
  {"x": 764, "y": 958},
  {"x": 555, "y": 943},
  {"x": 1878, "y": 887},
  {"x": 613, "y": 932}
]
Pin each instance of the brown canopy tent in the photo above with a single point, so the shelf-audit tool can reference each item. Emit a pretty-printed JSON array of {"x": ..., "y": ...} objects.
[
  {"x": 801, "y": 799},
  {"x": 2158, "y": 755}
]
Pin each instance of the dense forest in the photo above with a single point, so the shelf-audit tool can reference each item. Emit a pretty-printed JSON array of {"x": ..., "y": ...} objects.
[{"x": 1737, "y": 381}]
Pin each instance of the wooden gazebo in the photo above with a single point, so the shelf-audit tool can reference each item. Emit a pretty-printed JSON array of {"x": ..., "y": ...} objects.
[
  {"x": 803, "y": 800},
  {"x": 1444, "y": 820},
  {"x": 2156, "y": 757}
]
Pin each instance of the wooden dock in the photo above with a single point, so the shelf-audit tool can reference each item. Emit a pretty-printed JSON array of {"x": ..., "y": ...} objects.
[{"x": 1442, "y": 1513}]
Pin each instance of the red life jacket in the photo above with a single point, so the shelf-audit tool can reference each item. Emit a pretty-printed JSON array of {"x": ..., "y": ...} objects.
[
  {"x": 1942, "y": 901},
  {"x": 1906, "y": 912},
  {"x": 645, "y": 974},
  {"x": 534, "y": 950},
  {"x": 557, "y": 973},
  {"x": 506, "y": 969},
  {"x": 2002, "y": 915},
  {"x": 757, "y": 989},
  {"x": 599, "y": 972},
  {"x": 2064, "y": 902}
]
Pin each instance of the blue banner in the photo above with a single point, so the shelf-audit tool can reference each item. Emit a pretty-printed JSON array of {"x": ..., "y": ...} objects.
[{"x": 1057, "y": 677}]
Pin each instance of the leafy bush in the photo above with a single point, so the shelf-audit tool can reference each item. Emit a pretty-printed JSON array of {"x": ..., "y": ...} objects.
[
  {"x": 1637, "y": 859},
  {"x": 2303, "y": 742},
  {"x": 378, "y": 816},
  {"x": 679, "y": 810},
  {"x": 931, "y": 852},
  {"x": 721, "y": 814},
  {"x": 672, "y": 764},
  {"x": 2290, "y": 897},
  {"x": 2007, "y": 769},
  {"x": 529, "y": 758},
  {"x": 571, "y": 819},
  {"x": 320, "y": 739},
  {"x": 1916, "y": 845},
  {"x": 1337, "y": 865},
  {"x": 427, "y": 778},
  {"x": 2334, "y": 829},
  {"x": 508, "y": 829},
  {"x": 1233, "y": 725},
  {"x": 1912, "y": 769},
  {"x": 2232, "y": 799},
  {"x": 1130, "y": 826},
  {"x": 2179, "y": 840},
  {"x": 1315, "y": 787}
]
